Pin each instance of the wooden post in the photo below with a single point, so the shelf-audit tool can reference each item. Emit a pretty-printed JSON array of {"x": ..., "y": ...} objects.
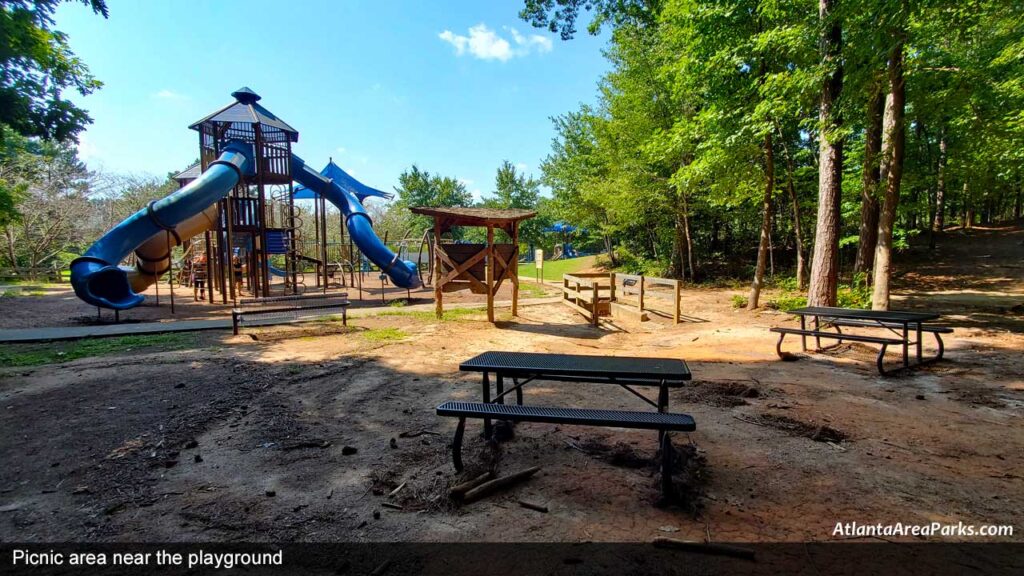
[
  {"x": 438, "y": 306},
  {"x": 611, "y": 290},
  {"x": 230, "y": 215},
  {"x": 208, "y": 281},
  {"x": 593, "y": 303},
  {"x": 678, "y": 292},
  {"x": 641, "y": 294},
  {"x": 490, "y": 273},
  {"x": 514, "y": 261}
]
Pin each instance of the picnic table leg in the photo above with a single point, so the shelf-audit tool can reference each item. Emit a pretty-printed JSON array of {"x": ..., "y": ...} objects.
[
  {"x": 457, "y": 445},
  {"x": 918, "y": 342},
  {"x": 906, "y": 345},
  {"x": 662, "y": 404},
  {"x": 817, "y": 328},
  {"x": 803, "y": 337},
  {"x": 487, "y": 400},
  {"x": 666, "y": 466},
  {"x": 500, "y": 387},
  {"x": 519, "y": 391}
]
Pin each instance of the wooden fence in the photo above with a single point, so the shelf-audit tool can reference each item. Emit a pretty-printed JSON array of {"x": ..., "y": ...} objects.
[
  {"x": 47, "y": 274},
  {"x": 631, "y": 295},
  {"x": 589, "y": 293}
]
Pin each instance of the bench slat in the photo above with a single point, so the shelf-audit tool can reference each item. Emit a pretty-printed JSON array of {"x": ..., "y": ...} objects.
[
  {"x": 837, "y": 336},
  {"x": 577, "y": 416}
]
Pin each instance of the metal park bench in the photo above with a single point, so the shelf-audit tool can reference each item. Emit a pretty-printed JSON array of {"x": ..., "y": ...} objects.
[
  {"x": 524, "y": 367},
  {"x": 898, "y": 327},
  {"x": 291, "y": 308}
]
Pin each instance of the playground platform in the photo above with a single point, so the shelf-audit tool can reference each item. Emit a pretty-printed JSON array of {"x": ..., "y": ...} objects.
[{"x": 24, "y": 335}]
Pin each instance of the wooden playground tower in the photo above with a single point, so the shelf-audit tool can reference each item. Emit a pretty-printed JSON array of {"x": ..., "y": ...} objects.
[
  {"x": 480, "y": 268},
  {"x": 259, "y": 219}
]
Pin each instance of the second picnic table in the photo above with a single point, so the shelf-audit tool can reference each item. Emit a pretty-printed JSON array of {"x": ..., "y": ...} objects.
[{"x": 899, "y": 323}]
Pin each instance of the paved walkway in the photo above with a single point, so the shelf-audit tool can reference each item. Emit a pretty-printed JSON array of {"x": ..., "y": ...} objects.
[{"x": 138, "y": 328}]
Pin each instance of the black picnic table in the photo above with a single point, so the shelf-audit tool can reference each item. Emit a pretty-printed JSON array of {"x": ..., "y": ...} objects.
[
  {"x": 899, "y": 323},
  {"x": 525, "y": 367}
]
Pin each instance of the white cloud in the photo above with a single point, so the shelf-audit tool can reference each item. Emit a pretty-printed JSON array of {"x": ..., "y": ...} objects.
[
  {"x": 87, "y": 150},
  {"x": 521, "y": 167},
  {"x": 341, "y": 149},
  {"x": 486, "y": 44},
  {"x": 466, "y": 182},
  {"x": 166, "y": 94}
]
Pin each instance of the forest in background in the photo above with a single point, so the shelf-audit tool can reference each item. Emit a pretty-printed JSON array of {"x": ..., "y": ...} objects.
[{"x": 728, "y": 139}]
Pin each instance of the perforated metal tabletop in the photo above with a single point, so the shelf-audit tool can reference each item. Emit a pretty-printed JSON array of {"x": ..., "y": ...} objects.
[{"x": 575, "y": 365}]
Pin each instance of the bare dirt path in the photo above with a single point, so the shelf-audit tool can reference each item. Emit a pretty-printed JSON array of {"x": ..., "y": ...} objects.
[{"x": 236, "y": 438}]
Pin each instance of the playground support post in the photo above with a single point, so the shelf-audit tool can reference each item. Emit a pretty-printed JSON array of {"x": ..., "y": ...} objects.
[
  {"x": 490, "y": 274},
  {"x": 438, "y": 306},
  {"x": 514, "y": 277}
]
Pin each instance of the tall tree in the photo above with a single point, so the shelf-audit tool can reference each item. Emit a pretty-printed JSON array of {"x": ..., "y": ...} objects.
[
  {"x": 895, "y": 132},
  {"x": 825, "y": 263},
  {"x": 869, "y": 183},
  {"x": 36, "y": 66}
]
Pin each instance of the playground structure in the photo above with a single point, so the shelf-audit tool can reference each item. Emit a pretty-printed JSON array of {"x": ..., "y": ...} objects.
[
  {"x": 597, "y": 294},
  {"x": 563, "y": 249},
  {"x": 235, "y": 216},
  {"x": 480, "y": 268}
]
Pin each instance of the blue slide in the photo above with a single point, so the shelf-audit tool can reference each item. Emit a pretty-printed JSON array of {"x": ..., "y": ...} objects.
[
  {"x": 401, "y": 272},
  {"x": 96, "y": 276}
]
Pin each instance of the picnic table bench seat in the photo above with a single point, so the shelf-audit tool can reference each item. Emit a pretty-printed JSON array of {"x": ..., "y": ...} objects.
[
  {"x": 295, "y": 307},
  {"x": 660, "y": 421}
]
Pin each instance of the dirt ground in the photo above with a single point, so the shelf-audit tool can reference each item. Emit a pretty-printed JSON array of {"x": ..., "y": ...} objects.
[
  {"x": 57, "y": 305},
  {"x": 320, "y": 434}
]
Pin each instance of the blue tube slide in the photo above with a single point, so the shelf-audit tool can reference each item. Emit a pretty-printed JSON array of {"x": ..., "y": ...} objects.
[
  {"x": 402, "y": 272},
  {"x": 96, "y": 276}
]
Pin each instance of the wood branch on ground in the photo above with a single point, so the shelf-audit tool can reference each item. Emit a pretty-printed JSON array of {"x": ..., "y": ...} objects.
[
  {"x": 498, "y": 484},
  {"x": 459, "y": 490}
]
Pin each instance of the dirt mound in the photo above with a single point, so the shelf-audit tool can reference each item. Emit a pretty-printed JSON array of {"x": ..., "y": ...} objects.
[
  {"x": 816, "y": 432},
  {"x": 722, "y": 393}
]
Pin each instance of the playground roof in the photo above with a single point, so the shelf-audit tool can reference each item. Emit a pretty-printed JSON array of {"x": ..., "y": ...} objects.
[
  {"x": 188, "y": 174},
  {"x": 243, "y": 112},
  {"x": 459, "y": 216},
  {"x": 347, "y": 182}
]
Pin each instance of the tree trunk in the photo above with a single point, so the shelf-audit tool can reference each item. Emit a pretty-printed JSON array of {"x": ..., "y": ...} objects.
[
  {"x": 689, "y": 238},
  {"x": 1017, "y": 204},
  {"x": 678, "y": 244},
  {"x": 869, "y": 190},
  {"x": 968, "y": 207},
  {"x": 798, "y": 236},
  {"x": 766, "y": 223},
  {"x": 896, "y": 132},
  {"x": 940, "y": 191},
  {"x": 825, "y": 264}
]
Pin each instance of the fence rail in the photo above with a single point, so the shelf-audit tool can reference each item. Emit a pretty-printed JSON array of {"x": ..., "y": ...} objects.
[
  {"x": 595, "y": 294},
  {"x": 50, "y": 274}
]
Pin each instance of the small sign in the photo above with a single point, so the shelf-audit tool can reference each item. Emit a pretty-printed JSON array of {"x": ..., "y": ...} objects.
[{"x": 538, "y": 258}]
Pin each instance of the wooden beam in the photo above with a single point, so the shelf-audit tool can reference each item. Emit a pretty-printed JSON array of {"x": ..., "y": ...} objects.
[
  {"x": 438, "y": 250},
  {"x": 515, "y": 273},
  {"x": 490, "y": 273}
]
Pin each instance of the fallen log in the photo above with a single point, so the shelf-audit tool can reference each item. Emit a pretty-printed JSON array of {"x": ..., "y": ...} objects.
[
  {"x": 498, "y": 484},
  {"x": 532, "y": 506},
  {"x": 704, "y": 548},
  {"x": 459, "y": 490}
]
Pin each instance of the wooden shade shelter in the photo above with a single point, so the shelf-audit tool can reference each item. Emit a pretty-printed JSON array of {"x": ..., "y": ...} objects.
[{"x": 480, "y": 268}]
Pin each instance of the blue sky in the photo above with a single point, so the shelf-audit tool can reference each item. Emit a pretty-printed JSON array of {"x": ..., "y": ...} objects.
[{"x": 455, "y": 87}]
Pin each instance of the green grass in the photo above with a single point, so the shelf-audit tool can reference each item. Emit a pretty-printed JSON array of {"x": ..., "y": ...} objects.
[
  {"x": 531, "y": 290},
  {"x": 428, "y": 315},
  {"x": 384, "y": 334},
  {"x": 57, "y": 352},
  {"x": 553, "y": 269}
]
